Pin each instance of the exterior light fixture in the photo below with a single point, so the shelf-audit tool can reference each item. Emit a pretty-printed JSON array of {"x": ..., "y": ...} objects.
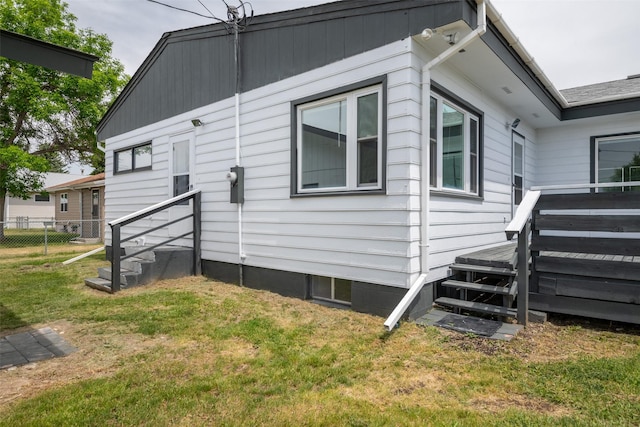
[
  {"x": 514, "y": 124},
  {"x": 426, "y": 33},
  {"x": 197, "y": 122}
]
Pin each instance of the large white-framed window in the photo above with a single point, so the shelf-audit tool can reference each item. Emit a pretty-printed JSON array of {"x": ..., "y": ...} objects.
[
  {"x": 340, "y": 142},
  {"x": 455, "y": 147},
  {"x": 616, "y": 158}
]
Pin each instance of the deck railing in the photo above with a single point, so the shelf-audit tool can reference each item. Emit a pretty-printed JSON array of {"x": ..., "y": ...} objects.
[
  {"x": 584, "y": 197},
  {"x": 521, "y": 226},
  {"x": 117, "y": 241}
]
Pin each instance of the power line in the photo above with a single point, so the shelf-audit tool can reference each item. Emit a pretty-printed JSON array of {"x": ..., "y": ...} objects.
[
  {"x": 186, "y": 10},
  {"x": 206, "y": 8}
]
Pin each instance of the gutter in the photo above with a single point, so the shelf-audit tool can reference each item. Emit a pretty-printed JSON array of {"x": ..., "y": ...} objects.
[
  {"x": 416, "y": 287},
  {"x": 514, "y": 42}
]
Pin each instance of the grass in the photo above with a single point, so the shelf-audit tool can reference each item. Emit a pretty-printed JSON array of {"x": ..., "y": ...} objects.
[
  {"x": 17, "y": 238},
  {"x": 200, "y": 352}
]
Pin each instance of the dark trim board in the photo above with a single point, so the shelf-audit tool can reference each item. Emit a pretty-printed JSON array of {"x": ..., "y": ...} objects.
[
  {"x": 33, "y": 51},
  {"x": 367, "y": 298}
]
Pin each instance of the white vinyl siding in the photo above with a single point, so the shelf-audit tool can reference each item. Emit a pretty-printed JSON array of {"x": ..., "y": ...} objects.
[
  {"x": 565, "y": 151},
  {"x": 459, "y": 225},
  {"x": 370, "y": 239}
]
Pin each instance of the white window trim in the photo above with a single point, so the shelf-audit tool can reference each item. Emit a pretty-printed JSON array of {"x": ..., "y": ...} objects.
[
  {"x": 352, "y": 141},
  {"x": 333, "y": 294},
  {"x": 606, "y": 139},
  {"x": 65, "y": 204},
  {"x": 440, "y": 101}
]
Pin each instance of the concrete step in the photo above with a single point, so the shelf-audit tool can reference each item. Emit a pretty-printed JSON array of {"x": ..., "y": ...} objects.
[
  {"x": 127, "y": 278},
  {"x": 498, "y": 271},
  {"x": 146, "y": 255},
  {"x": 477, "y": 307},
  {"x": 99, "y": 284},
  {"x": 479, "y": 287},
  {"x": 135, "y": 264}
]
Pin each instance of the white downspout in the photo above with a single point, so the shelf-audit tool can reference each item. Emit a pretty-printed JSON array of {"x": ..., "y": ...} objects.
[{"x": 400, "y": 309}]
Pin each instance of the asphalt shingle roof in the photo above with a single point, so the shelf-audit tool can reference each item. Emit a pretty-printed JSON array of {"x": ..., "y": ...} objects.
[{"x": 600, "y": 91}]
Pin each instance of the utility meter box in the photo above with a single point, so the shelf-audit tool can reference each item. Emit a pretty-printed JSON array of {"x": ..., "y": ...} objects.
[{"x": 236, "y": 181}]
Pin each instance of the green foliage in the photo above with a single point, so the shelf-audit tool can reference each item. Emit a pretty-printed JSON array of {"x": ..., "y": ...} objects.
[
  {"x": 20, "y": 172},
  {"x": 46, "y": 113}
]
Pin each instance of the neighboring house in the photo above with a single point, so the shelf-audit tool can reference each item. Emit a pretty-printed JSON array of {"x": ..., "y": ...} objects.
[
  {"x": 378, "y": 141},
  {"x": 79, "y": 206},
  {"x": 37, "y": 208}
]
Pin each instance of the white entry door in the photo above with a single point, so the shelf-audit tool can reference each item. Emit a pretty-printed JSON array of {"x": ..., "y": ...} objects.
[
  {"x": 517, "y": 176},
  {"x": 181, "y": 179}
]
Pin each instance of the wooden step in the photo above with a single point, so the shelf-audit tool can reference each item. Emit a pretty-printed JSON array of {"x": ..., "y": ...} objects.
[
  {"x": 483, "y": 269},
  {"x": 477, "y": 307},
  {"x": 479, "y": 287}
]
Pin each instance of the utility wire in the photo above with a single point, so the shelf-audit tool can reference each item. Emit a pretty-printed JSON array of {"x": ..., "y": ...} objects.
[
  {"x": 186, "y": 10},
  {"x": 206, "y": 8}
]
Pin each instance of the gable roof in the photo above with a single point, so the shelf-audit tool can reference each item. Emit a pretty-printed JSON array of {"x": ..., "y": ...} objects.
[
  {"x": 195, "y": 67},
  {"x": 90, "y": 181},
  {"x": 192, "y": 68}
]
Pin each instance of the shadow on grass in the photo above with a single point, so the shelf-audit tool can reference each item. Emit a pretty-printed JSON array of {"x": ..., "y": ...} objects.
[{"x": 9, "y": 320}]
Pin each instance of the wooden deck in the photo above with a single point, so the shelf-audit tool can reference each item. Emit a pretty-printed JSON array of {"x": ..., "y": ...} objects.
[
  {"x": 500, "y": 257},
  {"x": 590, "y": 285}
]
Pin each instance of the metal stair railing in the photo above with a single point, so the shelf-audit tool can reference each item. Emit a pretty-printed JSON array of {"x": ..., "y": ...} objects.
[
  {"x": 521, "y": 225},
  {"x": 117, "y": 241}
]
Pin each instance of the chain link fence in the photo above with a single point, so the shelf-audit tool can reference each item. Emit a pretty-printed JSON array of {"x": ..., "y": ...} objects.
[{"x": 25, "y": 232}]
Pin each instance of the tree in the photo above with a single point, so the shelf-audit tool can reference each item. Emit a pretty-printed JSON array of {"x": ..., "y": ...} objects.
[{"x": 46, "y": 114}]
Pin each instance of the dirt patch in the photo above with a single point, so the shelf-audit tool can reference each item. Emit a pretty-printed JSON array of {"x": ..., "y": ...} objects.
[
  {"x": 561, "y": 338},
  {"x": 497, "y": 404},
  {"x": 97, "y": 356}
]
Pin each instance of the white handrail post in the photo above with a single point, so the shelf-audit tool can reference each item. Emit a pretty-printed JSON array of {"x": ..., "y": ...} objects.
[
  {"x": 523, "y": 275},
  {"x": 115, "y": 258}
]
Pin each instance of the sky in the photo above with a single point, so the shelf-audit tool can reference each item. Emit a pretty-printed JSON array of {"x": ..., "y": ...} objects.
[{"x": 575, "y": 42}]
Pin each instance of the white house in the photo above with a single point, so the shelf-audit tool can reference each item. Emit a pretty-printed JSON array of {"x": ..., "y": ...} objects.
[
  {"x": 379, "y": 141},
  {"x": 38, "y": 207}
]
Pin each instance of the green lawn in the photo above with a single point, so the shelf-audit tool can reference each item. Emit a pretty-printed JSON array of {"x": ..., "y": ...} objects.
[
  {"x": 199, "y": 352},
  {"x": 18, "y": 238}
]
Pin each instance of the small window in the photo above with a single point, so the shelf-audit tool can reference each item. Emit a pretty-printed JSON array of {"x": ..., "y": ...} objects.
[
  {"x": 617, "y": 160},
  {"x": 331, "y": 289},
  {"x": 44, "y": 197},
  {"x": 133, "y": 159},
  {"x": 339, "y": 142},
  {"x": 454, "y": 147},
  {"x": 64, "y": 202}
]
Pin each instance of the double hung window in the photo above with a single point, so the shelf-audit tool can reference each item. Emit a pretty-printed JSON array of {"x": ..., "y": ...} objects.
[
  {"x": 339, "y": 142},
  {"x": 617, "y": 159},
  {"x": 64, "y": 202},
  {"x": 454, "y": 147}
]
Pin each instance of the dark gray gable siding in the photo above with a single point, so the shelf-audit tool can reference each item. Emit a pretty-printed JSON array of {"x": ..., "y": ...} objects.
[{"x": 192, "y": 68}]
